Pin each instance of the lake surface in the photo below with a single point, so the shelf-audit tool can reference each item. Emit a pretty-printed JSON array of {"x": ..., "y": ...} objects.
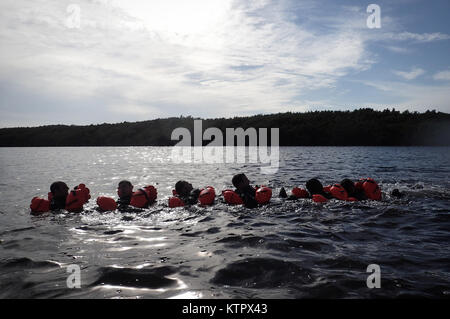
[{"x": 287, "y": 249}]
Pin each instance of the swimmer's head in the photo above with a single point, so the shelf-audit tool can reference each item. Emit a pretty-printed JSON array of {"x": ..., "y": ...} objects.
[
  {"x": 183, "y": 188},
  {"x": 314, "y": 186},
  {"x": 397, "y": 193},
  {"x": 125, "y": 189},
  {"x": 240, "y": 181},
  {"x": 59, "y": 189},
  {"x": 348, "y": 185}
]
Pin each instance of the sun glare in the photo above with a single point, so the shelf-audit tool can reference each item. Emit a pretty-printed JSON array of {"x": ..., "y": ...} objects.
[{"x": 178, "y": 17}]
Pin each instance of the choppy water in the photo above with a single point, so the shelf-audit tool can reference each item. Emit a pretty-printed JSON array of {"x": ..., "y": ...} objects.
[{"x": 284, "y": 250}]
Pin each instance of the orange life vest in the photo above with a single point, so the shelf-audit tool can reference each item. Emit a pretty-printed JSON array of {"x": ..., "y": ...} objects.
[
  {"x": 317, "y": 198},
  {"x": 338, "y": 192},
  {"x": 39, "y": 205},
  {"x": 300, "y": 192},
  {"x": 207, "y": 196},
  {"x": 231, "y": 197},
  {"x": 86, "y": 193},
  {"x": 371, "y": 189},
  {"x": 175, "y": 202},
  {"x": 359, "y": 185},
  {"x": 75, "y": 201},
  {"x": 263, "y": 195},
  {"x": 144, "y": 197},
  {"x": 77, "y": 198},
  {"x": 106, "y": 203}
]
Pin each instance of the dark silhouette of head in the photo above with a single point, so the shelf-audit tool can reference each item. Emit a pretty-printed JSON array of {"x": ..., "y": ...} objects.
[
  {"x": 314, "y": 186},
  {"x": 125, "y": 189},
  {"x": 397, "y": 193},
  {"x": 183, "y": 188},
  {"x": 348, "y": 185},
  {"x": 240, "y": 181},
  {"x": 59, "y": 189}
]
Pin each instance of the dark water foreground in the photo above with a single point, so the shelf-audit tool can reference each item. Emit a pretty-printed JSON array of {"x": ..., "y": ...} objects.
[{"x": 284, "y": 250}]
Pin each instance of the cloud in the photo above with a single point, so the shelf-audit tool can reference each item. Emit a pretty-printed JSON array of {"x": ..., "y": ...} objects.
[
  {"x": 142, "y": 59},
  {"x": 221, "y": 58},
  {"x": 442, "y": 76},
  {"x": 416, "y": 37},
  {"x": 412, "y": 96},
  {"x": 411, "y": 75},
  {"x": 397, "y": 49}
]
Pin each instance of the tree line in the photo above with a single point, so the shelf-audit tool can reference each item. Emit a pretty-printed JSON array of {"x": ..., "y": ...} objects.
[{"x": 319, "y": 128}]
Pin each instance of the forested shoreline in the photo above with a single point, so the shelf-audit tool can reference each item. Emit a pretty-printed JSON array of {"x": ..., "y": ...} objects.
[{"x": 319, "y": 128}]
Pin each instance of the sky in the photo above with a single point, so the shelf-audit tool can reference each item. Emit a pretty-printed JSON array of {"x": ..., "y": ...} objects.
[{"x": 109, "y": 61}]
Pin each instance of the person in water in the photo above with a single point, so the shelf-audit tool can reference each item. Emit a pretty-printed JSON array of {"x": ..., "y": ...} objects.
[
  {"x": 315, "y": 187},
  {"x": 59, "y": 191},
  {"x": 283, "y": 194},
  {"x": 352, "y": 191},
  {"x": 186, "y": 192},
  {"x": 124, "y": 191},
  {"x": 397, "y": 193},
  {"x": 244, "y": 190}
]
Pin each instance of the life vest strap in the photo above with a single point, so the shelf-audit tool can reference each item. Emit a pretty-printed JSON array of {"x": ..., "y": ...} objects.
[
  {"x": 74, "y": 200},
  {"x": 145, "y": 194}
]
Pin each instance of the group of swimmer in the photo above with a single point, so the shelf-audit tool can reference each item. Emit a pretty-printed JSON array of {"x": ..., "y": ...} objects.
[{"x": 184, "y": 194}]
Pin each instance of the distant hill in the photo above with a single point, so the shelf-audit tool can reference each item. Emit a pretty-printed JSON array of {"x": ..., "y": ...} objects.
[{"x": 326, "y": 128}]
